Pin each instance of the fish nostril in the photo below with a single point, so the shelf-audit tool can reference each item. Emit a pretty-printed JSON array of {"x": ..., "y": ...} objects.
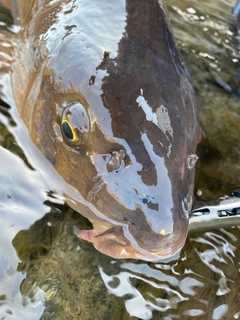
[
  {"x": 146, "y": 199},
  {"x": 116, "y": 161}
]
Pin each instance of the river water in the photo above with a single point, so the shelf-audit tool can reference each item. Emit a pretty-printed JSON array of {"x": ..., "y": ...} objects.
[{"x": 48, "y": 273}]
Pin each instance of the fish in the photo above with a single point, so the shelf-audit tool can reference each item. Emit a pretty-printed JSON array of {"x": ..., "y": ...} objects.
[{"x": 107, "y": 99}]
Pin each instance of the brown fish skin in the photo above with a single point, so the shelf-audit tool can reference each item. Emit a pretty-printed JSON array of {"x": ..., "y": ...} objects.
[{"x": 107, "y": 99}]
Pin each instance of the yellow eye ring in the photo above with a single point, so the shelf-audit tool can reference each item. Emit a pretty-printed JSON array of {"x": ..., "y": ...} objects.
[
  {"x": 75, "y": 123},
  {"x": 69, "y": 131}
]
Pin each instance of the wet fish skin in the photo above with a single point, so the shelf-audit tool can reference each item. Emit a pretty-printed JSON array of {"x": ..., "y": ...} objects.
[{"x": 112, "y": 71}]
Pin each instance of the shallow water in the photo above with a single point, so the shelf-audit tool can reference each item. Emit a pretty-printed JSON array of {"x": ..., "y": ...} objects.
[{"x": 48, "y": 273}]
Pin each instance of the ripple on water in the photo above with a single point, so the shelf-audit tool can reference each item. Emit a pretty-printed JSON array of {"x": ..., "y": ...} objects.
[{"x": 203, "y": 283}]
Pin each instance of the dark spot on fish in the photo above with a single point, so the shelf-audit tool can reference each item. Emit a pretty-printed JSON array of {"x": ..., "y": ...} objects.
[
  {"x": 153, "y": 206},
  {"x": 92, "y": 80},
  {"x": 106, "y": 55},
  {"x": 73, "y": 180},
  {"x": 69, "y": 29},
  {"x": 51, "y": 159}
]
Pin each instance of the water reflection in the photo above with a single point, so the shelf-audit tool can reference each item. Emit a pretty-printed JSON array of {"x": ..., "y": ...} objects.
[
  {"x": 197, "y": 284},
  {"x": 48, "y": 273},
  {"x": 16, "y": 213},
  {"x": 207, "y": 36}
]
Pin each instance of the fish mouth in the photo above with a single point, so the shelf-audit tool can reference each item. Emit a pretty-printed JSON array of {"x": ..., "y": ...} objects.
[
  {"x": 112, "y": 242},
  {"x": 108, "y": 244}
]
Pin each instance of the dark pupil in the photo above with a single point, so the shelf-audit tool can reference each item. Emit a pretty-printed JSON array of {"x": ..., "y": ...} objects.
[{"x": 67, "y": 130}]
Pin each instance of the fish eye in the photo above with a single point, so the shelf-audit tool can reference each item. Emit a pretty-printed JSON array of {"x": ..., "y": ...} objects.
[
  {"x": 75, "y": 123},
  {"x": 67, "y": 130}
]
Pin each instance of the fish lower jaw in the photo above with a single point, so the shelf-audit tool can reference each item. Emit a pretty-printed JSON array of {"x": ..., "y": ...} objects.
[{"x": 108, "y": 244}]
